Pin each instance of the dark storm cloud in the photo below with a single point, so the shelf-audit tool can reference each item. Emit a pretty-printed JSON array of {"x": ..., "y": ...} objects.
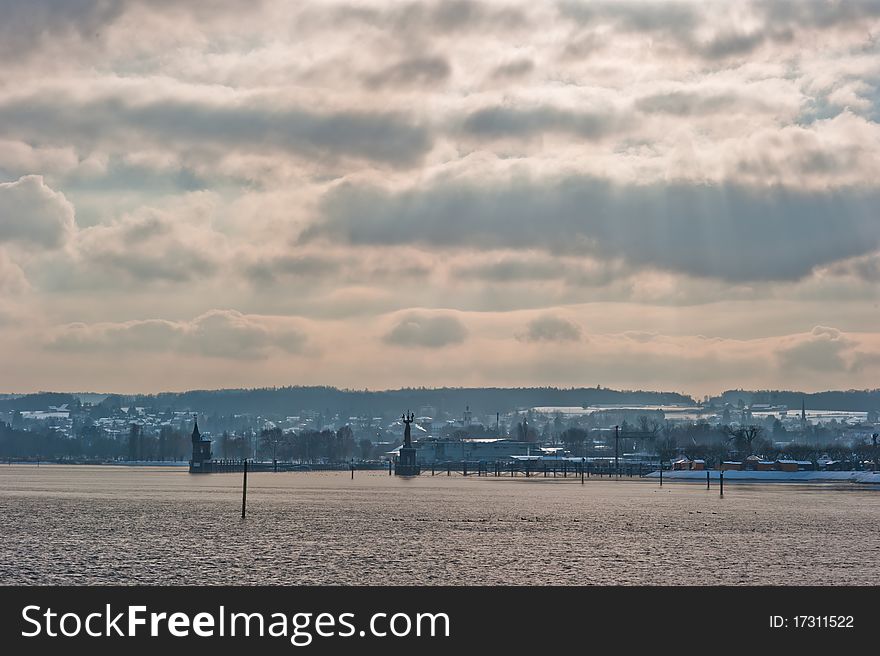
[
  {"x": 724, "y": 231},
  {"x": 503, "y": 122},
  {"x": 427, "y": 331},
  {"x": 550, "y": 328},
  {"x": 416, "y": 71},
  {"x": 387, "y": 137}
]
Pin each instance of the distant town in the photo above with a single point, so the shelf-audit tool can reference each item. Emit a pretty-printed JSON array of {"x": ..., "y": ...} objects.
[{"x": 326, "y": 426}]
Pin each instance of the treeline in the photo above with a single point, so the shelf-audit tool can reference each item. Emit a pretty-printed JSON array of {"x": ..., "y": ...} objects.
[
  {"x": 304, "y": 447},
  {"x": 715, "y": 443},
  {"x": 92, "y": 443},
  {"x": 843, "y": 400},
  {"x": 481, "y": 400}
]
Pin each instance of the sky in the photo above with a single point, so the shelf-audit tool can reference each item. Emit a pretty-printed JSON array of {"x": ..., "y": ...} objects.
[{"x": 675, "y": 196}]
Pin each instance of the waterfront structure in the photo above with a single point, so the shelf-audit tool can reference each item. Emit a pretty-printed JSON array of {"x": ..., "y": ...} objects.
[
  {"x": 201, "y": 450},
  {"x": 407, "y": 464},
  {"x": 430, "y": 451}
]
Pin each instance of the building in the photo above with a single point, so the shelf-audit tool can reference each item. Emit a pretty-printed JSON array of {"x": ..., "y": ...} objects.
[
  {"x": 201, "y": 451},
  {"x": 431, "y": 451}
]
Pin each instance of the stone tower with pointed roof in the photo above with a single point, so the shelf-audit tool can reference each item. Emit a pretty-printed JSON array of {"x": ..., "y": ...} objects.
[{"x": 201, "y": 450}]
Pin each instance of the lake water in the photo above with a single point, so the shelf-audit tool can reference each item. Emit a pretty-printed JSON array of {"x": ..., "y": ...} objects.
[{"x": 140, "y": 525}]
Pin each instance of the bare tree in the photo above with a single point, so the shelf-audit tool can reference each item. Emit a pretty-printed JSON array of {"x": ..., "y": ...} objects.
[{"x": 745, "y": 436}]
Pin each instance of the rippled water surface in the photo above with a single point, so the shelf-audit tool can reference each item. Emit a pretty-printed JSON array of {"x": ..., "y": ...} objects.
[{"x": 106, "y": 525}]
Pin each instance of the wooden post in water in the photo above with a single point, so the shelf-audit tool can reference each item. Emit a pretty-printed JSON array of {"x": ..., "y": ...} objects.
[{"x": 244, "y": 491}]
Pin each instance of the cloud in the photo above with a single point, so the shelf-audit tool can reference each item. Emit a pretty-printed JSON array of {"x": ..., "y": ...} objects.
[
  {"x": 33, "y": 213},
  {"x": 550, "y": 328},
  {"x": 12, "y": 278},
  {"x": 27, "y": 26},
  {"x": 502, "y": 122},
  {"x": 514, "y": 269},
  {"x": 217, "y": 333},
  {"x": 638, "y": 16},
  {"x": 415, "y": 71},
  {"x": 866, "y": 267},
  {"x": 822, "y": 349},
  {"x": 153, "y": 245},
  {"x": 725, "y": 231},
  {"x": 642, "y": 168},
  {"x": 717, "y": 31},
  {"x": 514, "y": 69},
  {"x": 687, "y": 103},
  {"x": 118, "y": 122},
  {"x": 269, "y": 270},
  {"x": 427, "y": 331},
  {"x": 414, "y": 19}
]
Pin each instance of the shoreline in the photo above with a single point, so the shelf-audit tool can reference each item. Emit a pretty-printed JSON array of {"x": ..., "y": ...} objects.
[{"x": 732, "y": 475}]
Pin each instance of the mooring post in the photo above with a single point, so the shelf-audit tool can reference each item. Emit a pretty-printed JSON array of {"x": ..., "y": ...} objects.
[
  {"x": 661, "y": 473},
  {"x": 244, "y": 491},
  {"x": 707, "y": 479},
  {"x": 721, "y": 482}
]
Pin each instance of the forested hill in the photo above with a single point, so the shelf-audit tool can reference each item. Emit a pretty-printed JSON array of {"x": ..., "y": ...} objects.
[
  {"x": 287, "y": 400},
  {"x": 482, "y": 400},
  {"x": 848, "y": 400}
]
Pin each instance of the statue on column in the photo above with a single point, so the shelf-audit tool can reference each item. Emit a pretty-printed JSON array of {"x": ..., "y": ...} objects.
[{"x": 407, "y": 431}]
